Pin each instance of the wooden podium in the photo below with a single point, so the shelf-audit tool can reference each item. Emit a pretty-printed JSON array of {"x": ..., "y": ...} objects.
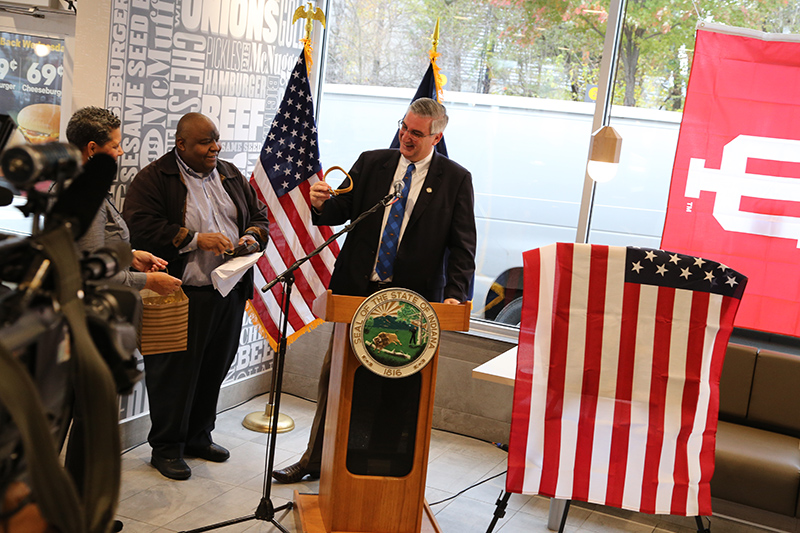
[{"x": 349, "y": 502}]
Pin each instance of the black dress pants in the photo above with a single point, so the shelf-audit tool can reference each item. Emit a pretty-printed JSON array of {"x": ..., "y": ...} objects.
[
  {"x": 311, "y": 460},
  {"x": 183, "y": 387}
]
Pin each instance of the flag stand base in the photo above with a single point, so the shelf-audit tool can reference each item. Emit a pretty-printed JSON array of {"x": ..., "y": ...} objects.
[{"x": 261, "y": 421}]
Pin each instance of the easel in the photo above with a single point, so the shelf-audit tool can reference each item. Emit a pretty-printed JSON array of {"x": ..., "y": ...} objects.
[{"x": 559, "y": 510}]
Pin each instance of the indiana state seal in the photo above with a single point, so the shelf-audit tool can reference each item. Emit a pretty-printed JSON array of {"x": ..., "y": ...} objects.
[{"x": 395, "y": 333}]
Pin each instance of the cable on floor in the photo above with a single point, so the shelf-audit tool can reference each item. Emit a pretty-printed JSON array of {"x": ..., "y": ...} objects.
[{"x": 468, "y": 488}]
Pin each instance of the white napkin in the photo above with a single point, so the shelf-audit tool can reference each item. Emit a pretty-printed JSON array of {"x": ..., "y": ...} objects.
[{"x": 228, "y": 274}]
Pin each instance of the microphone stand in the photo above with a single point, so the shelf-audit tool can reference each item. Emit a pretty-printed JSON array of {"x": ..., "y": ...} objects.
[
  {"x": 385, "y": 201},
  {"x": 266, "y": 510}
]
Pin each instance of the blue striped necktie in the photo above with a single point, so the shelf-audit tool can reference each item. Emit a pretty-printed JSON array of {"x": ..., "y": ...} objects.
[{"x": 391, "y": 232}]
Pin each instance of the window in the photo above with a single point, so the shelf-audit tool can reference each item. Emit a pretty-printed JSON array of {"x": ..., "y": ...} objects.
[{"x": 521, "y": 79}]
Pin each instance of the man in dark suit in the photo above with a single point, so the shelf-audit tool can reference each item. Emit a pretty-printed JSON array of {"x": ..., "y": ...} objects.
[{"x": 436, "y": 252}]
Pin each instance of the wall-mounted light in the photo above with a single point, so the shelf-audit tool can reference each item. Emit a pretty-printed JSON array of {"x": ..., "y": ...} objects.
[
  {"x": 604, "y": 155},
  {"x": 41, "y": 49}
]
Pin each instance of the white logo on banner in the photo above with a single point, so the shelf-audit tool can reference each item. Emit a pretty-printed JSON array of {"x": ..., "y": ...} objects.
[{"x": 731, "y": 183}]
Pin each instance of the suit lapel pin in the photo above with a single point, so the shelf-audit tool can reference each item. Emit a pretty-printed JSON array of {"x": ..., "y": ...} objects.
[{"x": 428, "y": 190}]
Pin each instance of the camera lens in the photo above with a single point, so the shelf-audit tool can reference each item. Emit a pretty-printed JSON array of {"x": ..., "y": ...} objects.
[{"x": 25, "y": 165}]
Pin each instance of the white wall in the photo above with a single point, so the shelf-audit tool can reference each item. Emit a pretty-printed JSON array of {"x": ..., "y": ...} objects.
[{"x": 90, "y": 55}]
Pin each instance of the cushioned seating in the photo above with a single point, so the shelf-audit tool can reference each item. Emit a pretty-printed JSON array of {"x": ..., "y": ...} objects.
[
  {"x": 775, "y": 396},
  {"x": 758, "y": 437},
  {"x": 757, "y": 468},
  {"x": 736, "y": 381}
]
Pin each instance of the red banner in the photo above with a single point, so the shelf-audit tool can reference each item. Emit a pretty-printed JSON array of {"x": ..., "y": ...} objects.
[{"x": 735, "y": 193}]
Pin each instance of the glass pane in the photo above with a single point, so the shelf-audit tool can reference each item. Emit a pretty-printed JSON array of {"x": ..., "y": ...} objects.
[
  {"x": 629, "y": 210},
  {"x": 521, "y": 82},
  {"x": 651, "y": 81},
  {"x": 519, "y": 105}
]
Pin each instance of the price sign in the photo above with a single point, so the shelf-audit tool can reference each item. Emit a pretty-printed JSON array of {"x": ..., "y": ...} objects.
[{"x": 31, "y": 74}]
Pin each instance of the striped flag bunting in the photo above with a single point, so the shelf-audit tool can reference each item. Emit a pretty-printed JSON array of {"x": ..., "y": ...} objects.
[
  {"x": 287, "y": 167},
  {"x": 617, "y": 385}
]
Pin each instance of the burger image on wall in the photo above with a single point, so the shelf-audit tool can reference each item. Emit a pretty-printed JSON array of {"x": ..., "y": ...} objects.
[{"x": 39, "y": 123}]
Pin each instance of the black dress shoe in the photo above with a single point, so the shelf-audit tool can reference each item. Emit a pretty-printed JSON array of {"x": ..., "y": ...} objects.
[
  {"x": 212, "y": 452},
  {"x": 294, "y": 473},
  {"x": 175, "y": 468}
]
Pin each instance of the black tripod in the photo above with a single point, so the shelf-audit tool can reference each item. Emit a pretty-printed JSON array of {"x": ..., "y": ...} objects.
[
  {"x": 266, "y": 510},
  {"x": 500, "y": 512},
  {"x": 502, "y": 503}
]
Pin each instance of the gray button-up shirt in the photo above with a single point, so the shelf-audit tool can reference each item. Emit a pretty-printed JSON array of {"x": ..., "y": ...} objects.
[{"x": 209, "y": 209}]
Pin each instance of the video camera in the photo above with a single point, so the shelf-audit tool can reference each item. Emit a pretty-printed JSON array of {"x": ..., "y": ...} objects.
[{"x": 67, "y": 337}]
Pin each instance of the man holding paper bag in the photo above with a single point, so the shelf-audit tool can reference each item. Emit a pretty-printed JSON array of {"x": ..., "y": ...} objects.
[{"x": 191, "y": 208}]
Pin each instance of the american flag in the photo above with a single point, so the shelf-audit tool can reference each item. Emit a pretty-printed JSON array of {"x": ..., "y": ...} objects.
[
  {"x": 617, "y": 386},
  {"x": 288, "y": 166}
]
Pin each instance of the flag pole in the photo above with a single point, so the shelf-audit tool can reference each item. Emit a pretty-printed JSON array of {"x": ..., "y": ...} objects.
[
  {"x": 261, "y": 421},
  {"x": 434, "y": 55},
  {"x": 435, "y": 38}
]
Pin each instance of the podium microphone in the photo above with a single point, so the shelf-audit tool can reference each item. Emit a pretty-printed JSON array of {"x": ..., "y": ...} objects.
[
  {"x": 398, "y": 189},
  {"x": 396, "y": 194}
]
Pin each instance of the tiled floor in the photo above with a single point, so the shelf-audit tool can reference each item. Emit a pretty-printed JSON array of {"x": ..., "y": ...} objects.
[{"x": 219, "y": 492}]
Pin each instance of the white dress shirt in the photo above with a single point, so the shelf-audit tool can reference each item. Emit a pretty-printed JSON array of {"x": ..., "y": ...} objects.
[{"x": 417, "y": 179}]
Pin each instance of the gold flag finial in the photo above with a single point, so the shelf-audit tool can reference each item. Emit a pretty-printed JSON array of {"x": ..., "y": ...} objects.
[
  {"x": 439, "y": 79},
  {"x": 435, "y": 38},
  {"x": 310, "y": 14}
]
